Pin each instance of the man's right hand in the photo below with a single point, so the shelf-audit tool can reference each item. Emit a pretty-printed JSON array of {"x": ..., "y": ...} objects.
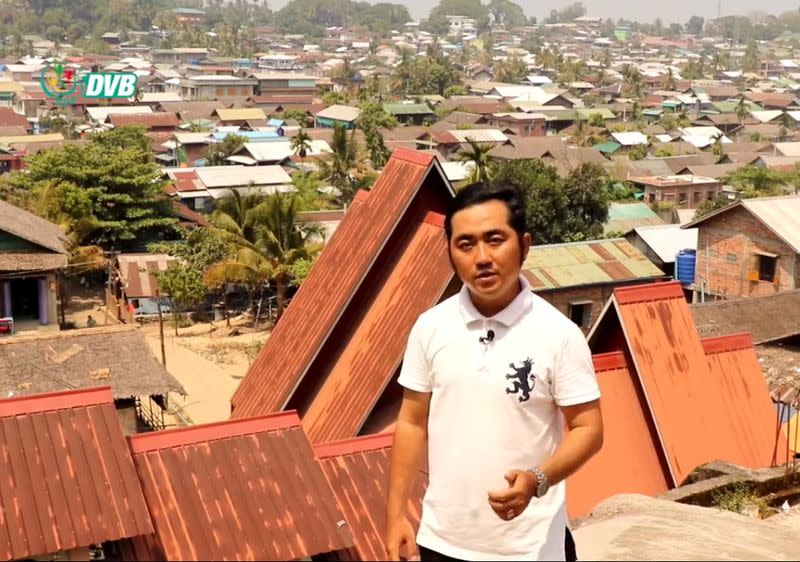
[{"x": 399, "y": 534}]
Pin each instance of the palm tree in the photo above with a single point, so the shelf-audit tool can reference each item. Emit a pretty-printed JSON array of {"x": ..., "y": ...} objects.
[
  {"x": 669, "y": 81},
  {"x": 582, "y": 136},
  {"x": 741, "y": 110},
  {"x": 717, "y": 147},
  {"x": 684, "y": 120},
  {"x": 344, "y": 166},
  {"x": 483, "y": 162},
  {"x": 301, "y": 143},
  {"x": 605, "y": 59},
  {"x": 268, "y": 239}
]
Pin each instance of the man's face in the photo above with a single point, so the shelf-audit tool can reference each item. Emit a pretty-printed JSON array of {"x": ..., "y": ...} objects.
[{"x": 485, "y": 250}]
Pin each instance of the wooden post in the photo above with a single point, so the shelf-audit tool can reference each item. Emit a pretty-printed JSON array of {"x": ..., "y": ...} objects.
[{"x": 161, "y": 329}]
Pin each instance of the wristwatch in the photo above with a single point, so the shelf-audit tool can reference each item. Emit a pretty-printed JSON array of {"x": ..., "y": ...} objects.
[{"x": 542, "y": 481}]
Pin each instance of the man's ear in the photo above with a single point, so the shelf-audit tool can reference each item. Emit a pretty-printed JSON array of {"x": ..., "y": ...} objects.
[{"x": 526, "y": 245}]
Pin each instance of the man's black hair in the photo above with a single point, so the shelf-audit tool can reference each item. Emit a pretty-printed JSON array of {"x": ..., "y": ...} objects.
[{"x": 481, "y": 192}]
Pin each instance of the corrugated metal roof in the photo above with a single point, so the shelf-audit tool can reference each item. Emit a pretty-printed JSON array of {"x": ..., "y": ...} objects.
[
  {"x": 693, "y": 416},
  {"x": 630, "y": 138},
  {"x": 276, "y": 151},
  {"x": 68, "y": 480},
  {"x": 630, "y": 461},
  {"x": 668, "y": 239},
  {"x": 764, "y": 318},
  {"x": 556, "y": 266},
  {"x": 214, "y": 177},
  {"x": 332, "y": 284},
  {"x": 460, "y": 136},
  {"x": 415, "y": 282},
  {"x": 358, "y": 472},
  {"x": 780, "y": 214},
  {"x": 239, "y": 490},
  {"x": 136, "y": 271},
  {"x": 241, "y": 114},
  {"x": 100, "y": 114},
  {"x": 749, "y": 410},
  {"x": 344, "y": 113},
  {"x": 407, "y": 109},
  {"x": 160, "y": 119},
  {"x": 623, "y": 217}
]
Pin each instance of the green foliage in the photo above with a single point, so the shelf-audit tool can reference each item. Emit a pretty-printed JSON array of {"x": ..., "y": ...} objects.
[
  {"x": 307, "y": 185},
  {"x": 300, "y": 269},
  {"x": 217, "y": 154},
  {"x": 567, "y": 14},
  {"x": 559, "y": 209},
  {"x": 371, "y": 119},
  {"x": 638, "y": 152},
  {"x": 512, "y": 70},
  {"x": 596, "y": 120},
  {"x": 622, "y": 191},
  {"x": 311, "y": 17},
  {"x": 437, "y": 20},
  {"x": 111, "y": 186},
  {"x": 295, "y": 114},
  {"x": 424, "y": 76},
  {"x": 707, "y": 207},
  {"x": 665, "y": 151},
  {"x": 335, "y": 98},
  {"x": 695, "y": 25},
  {"x": 507, "y": 13},
  {"x": 185, "y": 287},
  {"x": 758, "y": 181},
  {"x": 479, "y": 155},
  {"x": 734, "y": 498},
  {"x": 199, "y": 249}
]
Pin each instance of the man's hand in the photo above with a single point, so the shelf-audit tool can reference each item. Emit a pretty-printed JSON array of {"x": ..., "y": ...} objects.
[
  {"x": 512, "y": 501},
  {"x": 400, "y": 539}
]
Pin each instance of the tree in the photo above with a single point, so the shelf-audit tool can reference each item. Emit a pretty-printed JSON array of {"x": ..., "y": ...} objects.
[
  {"x": 437, "y": 21},
  {"x": 344, "y": 167},
  {"x": 559, "y": 210},
  {"x": 268, "y": 243},
  {"x": 582, "y": 135},
  {"x": 511, "y": 70},
  {"x": 707, "y": 207},
  {"x": 217, "y": 154},
  {"x": 506, "y": 12},
  {"x": 757, "y": 181},
  {"x": 372, "y": 117},
  {"x": 424, "y": 76},
  {"x": 301, "y": 143},
  {"x": 479, "y": 155},
  {"x": 638, "y": 152},
  {"x": 717, "y": 147},
  {"x": 695, "y": 26},
  {"x": 111, "y": 187},
  {"x": 751, "y": 61},
  {"x": 184, "y": 286},
  {"x": 742, "y": 109},
  {"x": 669, "y": 80},
  {"x": 567, "y": 14}
]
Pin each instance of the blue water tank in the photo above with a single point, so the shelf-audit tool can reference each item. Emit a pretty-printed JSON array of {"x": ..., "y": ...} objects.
[{"x": 684, "y": 266}]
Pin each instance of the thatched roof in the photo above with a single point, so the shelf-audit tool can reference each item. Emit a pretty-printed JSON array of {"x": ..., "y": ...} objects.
[
  {"x": 28, "y": 226},
  {"x": 115, "y": 355},
  {"x": 39, "y": 261}
]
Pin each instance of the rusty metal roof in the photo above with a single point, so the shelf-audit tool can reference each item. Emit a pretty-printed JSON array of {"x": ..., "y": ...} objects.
[
  {"x": 693, "y": 416},
  {"x": 556, "y": 266},
  {"x": 238, "y": 490},
  {"x": 68, "y": 480},
  {"x": 631, "y": 459},
  {"x": 136, "y": 272},
  {"x": 358, "y": 472},
  {"x": 744, "y": 392},
  {"x": 415, "y": 282},
  {"x": 360, "y": 241}
]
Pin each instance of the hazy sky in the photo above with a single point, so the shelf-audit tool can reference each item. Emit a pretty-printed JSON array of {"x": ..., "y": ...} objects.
[{"x": 642, "y": 10}]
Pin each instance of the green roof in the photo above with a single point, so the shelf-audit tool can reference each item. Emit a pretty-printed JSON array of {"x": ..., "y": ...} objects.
[
  {"x": 730, "y": 106},
  {"x": 188, "y": 11},
  {"x": 623, "y": 217},
  {"x": 407, "y": 109},
  {"x": 671, "y": 104},
  {"x": 597, "y": 262},
  {"x": 609, "y": 147}
]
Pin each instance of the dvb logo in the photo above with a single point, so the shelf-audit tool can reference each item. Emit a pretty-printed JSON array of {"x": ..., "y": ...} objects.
[{"x": 110, "y": 85}]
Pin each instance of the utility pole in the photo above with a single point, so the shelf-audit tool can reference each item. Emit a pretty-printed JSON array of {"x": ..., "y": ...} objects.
[{"x": 161, "y": 328}]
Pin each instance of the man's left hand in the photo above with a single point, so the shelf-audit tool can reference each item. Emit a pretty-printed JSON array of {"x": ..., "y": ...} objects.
[{"x": 512, "y": 501}]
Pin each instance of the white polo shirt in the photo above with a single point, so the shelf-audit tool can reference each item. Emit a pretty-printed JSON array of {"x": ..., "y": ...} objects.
[{"x": 494, "y": 407}]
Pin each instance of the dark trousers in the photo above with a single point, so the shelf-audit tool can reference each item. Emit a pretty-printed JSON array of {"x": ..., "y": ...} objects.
[{"x": 428, "y": 555}]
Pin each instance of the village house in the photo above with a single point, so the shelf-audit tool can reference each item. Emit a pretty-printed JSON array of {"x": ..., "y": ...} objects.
[
  {"x": 32, "y": 252},
  {"x": 683, "y": 191},
  {"x": 210, "y": 87},
  {"x": 662, "y": 243},
  {"x": 521, "y": 124},
  {"x": 410, "y": 113},
  {"x": 579, "y": 277},
  {"x": 748, "y": 248},
  {"x": 178, "y": 55},
  {"x": 284, "y": 84}
]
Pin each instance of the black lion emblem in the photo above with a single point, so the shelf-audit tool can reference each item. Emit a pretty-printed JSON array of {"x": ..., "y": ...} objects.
[{"x": 524, "y": 380}]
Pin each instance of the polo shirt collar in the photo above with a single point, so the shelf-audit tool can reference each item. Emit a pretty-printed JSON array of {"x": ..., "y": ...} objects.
[{"x": 508, "y": 316}]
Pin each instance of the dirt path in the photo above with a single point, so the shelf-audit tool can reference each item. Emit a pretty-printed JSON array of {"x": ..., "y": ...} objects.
[{"x": 209, "y": 386}]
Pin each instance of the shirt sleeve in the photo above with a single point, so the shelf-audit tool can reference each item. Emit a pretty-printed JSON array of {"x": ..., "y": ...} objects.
[
  {"x": 575, "y": 380},
  {"x": 415, "y": 371}
]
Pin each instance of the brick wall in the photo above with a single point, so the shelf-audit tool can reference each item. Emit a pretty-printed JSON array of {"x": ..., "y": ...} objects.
[
  {"x": 597, "y": 294},
  {"x": 732, "y": 239}
]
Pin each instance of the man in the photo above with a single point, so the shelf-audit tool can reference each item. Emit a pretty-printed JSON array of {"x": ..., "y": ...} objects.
[
  {"x": 91, "y": 322},
  {"x": 488, "y": 375}
]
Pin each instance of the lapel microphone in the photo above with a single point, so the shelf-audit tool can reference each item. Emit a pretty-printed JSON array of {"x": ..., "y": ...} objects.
[{"x": 488, "y": 338}]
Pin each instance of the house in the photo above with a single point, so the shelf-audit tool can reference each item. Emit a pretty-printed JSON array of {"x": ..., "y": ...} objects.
[
  {"x": 33, "y": 252},
  {"x": 390, "y": 264},
  {"x": 521, "y": 124},
  {"x": 240, "y": 116},
  {"x": 682, "y": 191},
  {"x": 661, "y": 243},
  {"x": 153, "y": 122},
  {"x": 337, "y": 115},
  {"x": 188, "y": 15},
  {"x": 578, "y": 277},
  {"x": 211, "y": 87},
  {"x": 285, "y": 84},
  {"x": 179, "y": 55},
  {"x": 625, "y": 216},
  {"x": 80, "y": 359},
  {"x": 453, "y": 140},
  {"x": 410, "y": 113},
  {"x": 74, "y": 485},
  {"x": 748, "y": 248}
]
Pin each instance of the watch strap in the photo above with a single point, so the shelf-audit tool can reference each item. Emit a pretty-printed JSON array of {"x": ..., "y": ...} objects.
[{"x": 543, "y": 484}]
